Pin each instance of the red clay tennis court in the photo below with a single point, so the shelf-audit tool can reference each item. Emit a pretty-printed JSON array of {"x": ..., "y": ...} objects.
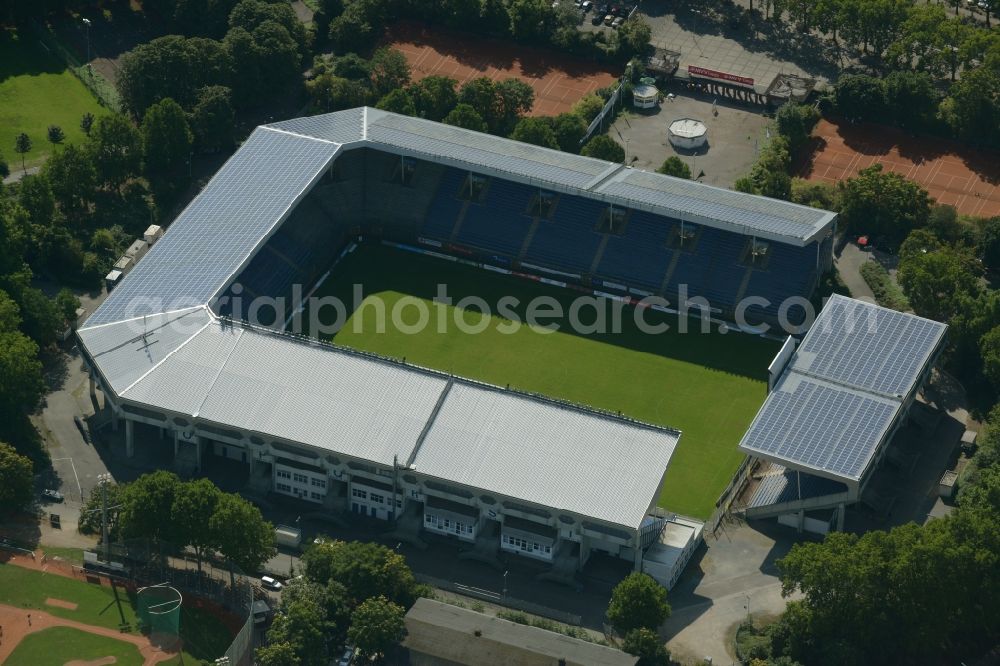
[
  {"x": 954, "y": 174},
  {"x": 558, "y": 80}
]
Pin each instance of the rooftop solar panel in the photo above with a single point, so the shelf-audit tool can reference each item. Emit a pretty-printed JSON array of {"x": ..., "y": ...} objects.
[
  {"x": 868, "y": 347},
  {"x": 820, "y": 426},
  {"x": 220, "y": 229}
]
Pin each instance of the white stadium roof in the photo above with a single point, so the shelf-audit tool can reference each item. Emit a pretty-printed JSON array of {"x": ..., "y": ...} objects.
[
  {"x": 844, "y": 389},
  {"x": 273, "y": 385}
]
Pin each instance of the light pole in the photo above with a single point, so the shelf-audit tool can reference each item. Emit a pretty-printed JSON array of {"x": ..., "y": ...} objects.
[
  {"x": 747, "y": 606},
  {"x": 86, "y": 25},
  {"x": 291, "y": 563},
  {"x": 504, "y": 594},
  {"x": 104, "y": 480}
]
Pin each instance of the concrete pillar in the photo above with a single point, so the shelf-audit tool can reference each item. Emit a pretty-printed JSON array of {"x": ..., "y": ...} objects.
[
  {"x": 841, "y": 514},
  {"x": 163, "y": 432},
  {"x": 92, "y": 385},
  {"x": 129, "y": 428},
  {"x": 114, "y": 418},
  {"x": 802, "y": 520},
  {"x": 177, "y": 443},
  {"x": 197, "y": 445}
]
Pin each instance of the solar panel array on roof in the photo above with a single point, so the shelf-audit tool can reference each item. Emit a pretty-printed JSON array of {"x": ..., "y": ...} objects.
[
  {"x": 844, "y": 388},
  {"x": 820, "y": 426},
  {"x": 220, "y": 229},
  {"x": 341, "y": 127},
  {"x": 744, "y": 213},
  {"x": 868, "y": 347},
  {"x": 436, "y": 140}
]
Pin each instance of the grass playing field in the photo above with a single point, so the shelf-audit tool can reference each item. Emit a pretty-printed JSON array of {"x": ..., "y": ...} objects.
[
  {"x": 205, "y": 636},
  {"x": 57, "y": 646},
  {"x": 707, "y": 385},
  {"x": 36, "y": 90}
]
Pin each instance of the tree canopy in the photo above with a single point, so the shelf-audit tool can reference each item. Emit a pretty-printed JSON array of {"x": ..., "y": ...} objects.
[
  {"x": 638, "y": 602},
  {"x": 16, "y": 479},
  {"x": 605, "y": 148},
  {"x": 377, "y": 626}
]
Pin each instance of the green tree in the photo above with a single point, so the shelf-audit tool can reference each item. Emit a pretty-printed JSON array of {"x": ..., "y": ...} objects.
[
  {"x": 569, "y": 129},
  {"x": 328, "y": 92},
  {"x": 117, "y": 149},
  {"x": 769, "y": 175},
  {"x": 920, "y": 241},
  {"x": 277, "y": 654},
  {"x": 398, "y": 101},
  {"x": 377, "y": 626},
  {"x": 72, "y": 176},
  {"x": 251, "y": 14},
  {"x": 972, "y": 108},
  {"x": 796, "y": 122},
  {"x": 244, "y": 537},
  {"x": 354, "y": 31},
  {"x": 16, "y": 478},
  {"x": 192, "y": 510},
  {"x": 176, "y": 67},
  {"x": 389, "y": 71},
  {"x": 86, "y": 122},
  {"x": 674, "y": 166},
  {"x": 166, "y": 140},
  {"x": 352, "y": 66},
  {"x": 243, "y": 52},
  {"x": 147, "y": 508},
  {"x": 434, "y": 97},
  {"x": 989, "y": 349},
  {"x": 21, "y": 384},
  {"x": 912, "y": 98},
  {"x": 213, "y": 119},
  {"x": 530, "y": 20},
  {"x": 91, "y": 512},
  {"x": 860, "y": 97},
  {"x": 883, "y": 203},
  {"x": 638, "y": 602},
  {"x": 514, "y": 98},
  {"x": 4, "y": 170},
  {"x": 22, "y": 146},
  {"x": 55, "y": 135},
  {"x": 648, "y": 646},
  {"x": 536, "y": 131},
  {"x": 365, "y": 569},
  {"x": 465, "y": 116},
  {"x": 332, "y": 599},
  {"x": 632, "y": 38},
  {"x": 301, "y": 626},
  {"x": 603, "y": 147},
  {"x": 280, "y": 59},
  {"x": 35, "y": 196},
  {"x": 40, "y": 318},
  {"x": 989, "y": 243},
  {"x": 67, "y": 303},
  {"x": 933, "y": 281}
]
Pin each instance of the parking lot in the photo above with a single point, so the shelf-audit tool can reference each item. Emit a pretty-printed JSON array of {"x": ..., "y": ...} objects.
[{"x": 734, "y": 136}]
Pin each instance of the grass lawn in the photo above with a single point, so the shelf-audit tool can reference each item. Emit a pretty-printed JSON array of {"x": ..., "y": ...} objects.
[
  {"x": 205, "y": 636},
  {"x": 707, "y": 385},
  {"x": 36, "y": 90},
  {"x": 60, "y": 645}
]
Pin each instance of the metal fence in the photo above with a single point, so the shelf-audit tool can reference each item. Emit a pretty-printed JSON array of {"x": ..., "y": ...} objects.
[
  {"x": 214, "y": 583},
  {"x": 501, "y": 600},
  {"x": 97, "y": 84}
]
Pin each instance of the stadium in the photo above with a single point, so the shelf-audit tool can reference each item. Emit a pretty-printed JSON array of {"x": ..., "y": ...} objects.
[{"x": 553, "y": 447}]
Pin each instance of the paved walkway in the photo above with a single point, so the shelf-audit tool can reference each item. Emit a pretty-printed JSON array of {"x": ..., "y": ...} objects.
[{"x": 849, "y": 264}]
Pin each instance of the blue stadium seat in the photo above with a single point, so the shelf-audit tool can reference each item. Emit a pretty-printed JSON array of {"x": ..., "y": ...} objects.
[
  {"x": 640, "y": 256},
  {"x": 444, "y": 209},
  {"x": 568, "y": 241},
  {"x": 500, "y": 222}
]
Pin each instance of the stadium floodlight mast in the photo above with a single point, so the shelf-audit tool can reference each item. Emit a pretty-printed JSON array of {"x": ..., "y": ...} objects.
[
  {"x": 104, "y": 480},
  {"x": 86, "y": 25}
]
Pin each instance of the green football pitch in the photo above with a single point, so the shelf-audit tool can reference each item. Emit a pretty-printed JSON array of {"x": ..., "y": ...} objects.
[
  {"x": 36, "y": 90},
  {"x": 708, "y": 385}
]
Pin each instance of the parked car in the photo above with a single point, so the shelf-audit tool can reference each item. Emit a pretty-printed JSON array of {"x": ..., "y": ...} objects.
[
  {"x": 84, "y": 429},
  {"x": 609, "y": 19},
  {"x": 597, "y": 19},
  {"x": 587, "y": 5},
  {"x": 603, "y": 9},
  {"x": 269, "y": 583},
  {"x": 617, "y": 22},
  {"x": 347, "y": 657},
  {"x": 53, "y": 495}
]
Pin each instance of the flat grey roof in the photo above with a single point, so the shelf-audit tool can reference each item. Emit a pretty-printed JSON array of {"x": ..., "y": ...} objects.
[
  {"x": 531, "y": 449},
  {"x": 461, "y": 636},
  {"x": 843, "y": 389}
]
